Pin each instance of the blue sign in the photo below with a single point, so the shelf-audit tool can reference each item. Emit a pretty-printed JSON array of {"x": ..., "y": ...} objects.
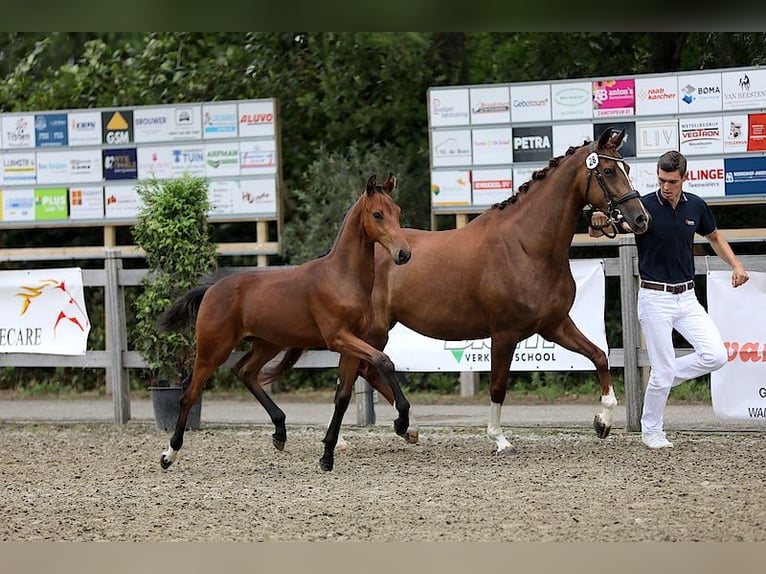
[
  {"x": 745, "y": 176},
  {"x": 51, "y": 130},
  {"x": 120, "y": 163}
]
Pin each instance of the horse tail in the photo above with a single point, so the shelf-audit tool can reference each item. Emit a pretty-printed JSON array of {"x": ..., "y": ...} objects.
[
  {"x": 183, "y": 311},
  {"x": 289, "y": 359}
]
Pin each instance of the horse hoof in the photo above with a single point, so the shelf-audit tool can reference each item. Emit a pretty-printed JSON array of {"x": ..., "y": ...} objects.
[
  {"x": 507, "y": 451},
  {"x": 401, "y": 426},
  {"x": 325, "y": 465},
  {"x": 165, "y": 462},
  {"x": 278, "y": 444},
  {"x": 411, "y": 437},
  {"x": 602, "y": 431}
]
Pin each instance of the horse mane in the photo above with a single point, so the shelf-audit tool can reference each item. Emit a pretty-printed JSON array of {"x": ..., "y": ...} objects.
[{"x": 537, "y": 175}]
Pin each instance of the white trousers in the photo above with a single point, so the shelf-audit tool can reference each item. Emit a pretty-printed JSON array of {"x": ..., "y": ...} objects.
[{"x": 659, "y": 313}]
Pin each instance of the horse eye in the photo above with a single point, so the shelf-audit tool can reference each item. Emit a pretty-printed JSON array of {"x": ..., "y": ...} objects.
[
  {"x": 609, "y": 171},
  {"x": 377, "y": 214}
]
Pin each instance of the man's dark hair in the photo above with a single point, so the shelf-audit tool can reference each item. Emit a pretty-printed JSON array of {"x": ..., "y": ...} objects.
[{"x": 672, "y": 161}]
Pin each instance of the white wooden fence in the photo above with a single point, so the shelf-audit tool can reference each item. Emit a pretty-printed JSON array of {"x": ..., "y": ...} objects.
[{"x": 117, "y": 359}]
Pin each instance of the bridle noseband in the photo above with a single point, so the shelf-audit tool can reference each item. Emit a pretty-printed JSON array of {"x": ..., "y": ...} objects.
[{"x": 614, "y": 213}]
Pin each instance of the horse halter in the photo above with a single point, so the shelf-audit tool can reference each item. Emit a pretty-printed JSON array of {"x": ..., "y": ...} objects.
[{"x": 614, "y": 213}]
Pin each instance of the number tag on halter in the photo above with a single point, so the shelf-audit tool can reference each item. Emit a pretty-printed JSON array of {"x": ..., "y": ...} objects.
[{"x": 591, "y": 161}]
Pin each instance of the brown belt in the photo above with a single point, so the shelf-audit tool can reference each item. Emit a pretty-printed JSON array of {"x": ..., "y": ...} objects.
[{"x": 675, "y": 289}]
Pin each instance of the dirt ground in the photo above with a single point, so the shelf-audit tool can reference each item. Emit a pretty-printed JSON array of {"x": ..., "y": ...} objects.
[{"x": 104, "y": 483}]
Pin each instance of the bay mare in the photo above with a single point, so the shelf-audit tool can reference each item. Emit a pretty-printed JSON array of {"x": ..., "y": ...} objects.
[
  {"x": 325, "y": 302},
  {"x": 505, "y": 275}
]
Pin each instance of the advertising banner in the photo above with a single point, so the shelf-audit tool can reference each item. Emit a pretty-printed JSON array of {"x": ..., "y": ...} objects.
[
  {"x": 738, "y": 389},
  {"x": 411, "y": 351},
  {"x": 43, "y": 311}
]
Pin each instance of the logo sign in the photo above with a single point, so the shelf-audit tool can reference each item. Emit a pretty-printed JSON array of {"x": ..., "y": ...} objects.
[
  {"x": 571, "y": 101},
  {"x": 120, "y": 163},
  {"x": 450, "y": 188},
  {"x": 699, "y": 93},
  {"x": 744, "y": 89},
  {"x": 256, "y": 119},
  {"x": 745, "y": 176},
  {"x": 222, "y": 159},
  {"x": 656, "y": 96},
  {"x": 705, "y": 177},
  {"x": 19, "y": 168},
  {"x": 257, "y": 196},
  {"x": 18, "y": 131},
  {"x": 257, "y": 157},
  {"x": 756, "y": 136},
  {"x": 655, "y": 138},
  {"x": 738, "y": 389},
  {"x": 86, "y": 202},
  {"x": 491, "y": 186},
  {"x": 532, "y": 144},
  {"x": 84, "y": 128},
  {"x": 117, "y": 127},
  {"x": 628, "y": 147},
  {"x": 50, "y": 204},
  {"x": 43, "y": 312},
  {"x": 492, "y": 146},
  {"x": 613, "y": 98},
  {"x": 568, "y": 135},
  {"x": 155, "y": 162},
  {"x": 490, "y": 105},
  {"x": 531, "y": 103},
  {"x": 51, "y": 130},
  {"x": 219, "y": 121},
  {"x": 18, "y": 204},
  {"x": 735, "y": 130},
  {"x": 121, "y": 202},
  {"x": 448, "y": 107},
  {"x": 73, "y": 166},
  {"x": 188, "y": 159},
  {"x": 451, "y": 147},
  {"x": 701, "y": 135}
]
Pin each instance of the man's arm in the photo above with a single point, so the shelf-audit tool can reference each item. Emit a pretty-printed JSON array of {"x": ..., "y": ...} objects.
[{"x": 722, "y": 248}]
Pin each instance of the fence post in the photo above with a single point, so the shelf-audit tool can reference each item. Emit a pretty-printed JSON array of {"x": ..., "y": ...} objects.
[
  {"x": 634, "y": 391},
  {"x": 469, "y": 383},
  {"x": 365, "y": 409},
  {"x": 116, "y": 336}
]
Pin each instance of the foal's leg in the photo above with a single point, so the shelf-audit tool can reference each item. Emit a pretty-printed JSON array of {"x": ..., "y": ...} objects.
[
  {"x": 570, "y": 337},
  {"x": 247, "y": 369},
  {"x": 502, "y": 350},
  {"x": 372, "y": 376},
  {"x": 347, "y": 373},
  {"x": 193, "y": 387}
]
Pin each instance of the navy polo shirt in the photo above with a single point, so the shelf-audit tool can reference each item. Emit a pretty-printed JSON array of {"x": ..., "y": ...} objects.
[{"x": 665, "y": 250}]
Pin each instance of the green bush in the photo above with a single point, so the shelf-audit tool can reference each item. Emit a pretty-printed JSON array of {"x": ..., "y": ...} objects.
[{"x": 174, "y": 233}]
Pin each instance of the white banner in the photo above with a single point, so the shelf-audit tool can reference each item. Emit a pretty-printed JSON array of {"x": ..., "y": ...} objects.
[
  {"x": 411, "y": 351},
  {"x": 738, "y": 388},
  {"x": 43, "y": 311}
]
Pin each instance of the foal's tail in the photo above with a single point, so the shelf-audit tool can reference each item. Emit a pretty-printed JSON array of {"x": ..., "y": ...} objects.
[
  {"x": 289, "y": 359},
  {"x": 183, "y": 311}
]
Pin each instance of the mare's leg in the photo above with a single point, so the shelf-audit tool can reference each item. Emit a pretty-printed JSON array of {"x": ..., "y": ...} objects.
[
  {"x": 247, "y": 369},
  {"x": 570, "y": 337},
  {"x": 347, "y": 373},
  {"x": 502, "y": 352}
]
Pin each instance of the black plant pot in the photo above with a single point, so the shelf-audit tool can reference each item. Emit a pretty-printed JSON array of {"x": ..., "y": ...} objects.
[{"x": 166, "y": 402}]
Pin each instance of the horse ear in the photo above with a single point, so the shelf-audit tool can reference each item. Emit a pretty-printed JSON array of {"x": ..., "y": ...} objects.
[
  {"x": 606, "y": 135},
  {"x": 372, "y": 184},
  {"x": 390, "y": 184},
  {"x": 618, "y": 138}
]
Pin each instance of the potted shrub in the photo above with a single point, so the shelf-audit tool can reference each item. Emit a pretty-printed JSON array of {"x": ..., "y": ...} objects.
[{"x": 174, "y": 233}]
